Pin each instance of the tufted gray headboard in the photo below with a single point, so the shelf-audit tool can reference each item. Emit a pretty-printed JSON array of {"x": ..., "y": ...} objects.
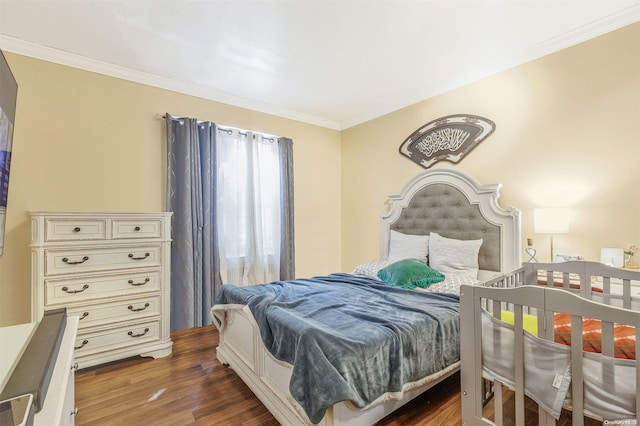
[{"x": 455, "y": 205}]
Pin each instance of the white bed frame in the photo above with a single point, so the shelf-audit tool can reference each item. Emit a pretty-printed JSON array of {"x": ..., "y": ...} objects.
[
  {"x": 242, "y": 349},
  {"x": 485, "y": 196},
  {"x": 533, "y": 288}
]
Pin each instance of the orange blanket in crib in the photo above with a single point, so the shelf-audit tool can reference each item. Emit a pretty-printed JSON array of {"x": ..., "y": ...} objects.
[{"x": 624, "y": 336}]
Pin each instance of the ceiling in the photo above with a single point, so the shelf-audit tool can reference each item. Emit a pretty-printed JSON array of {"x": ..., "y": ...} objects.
[{"x": 331, "y": 63}]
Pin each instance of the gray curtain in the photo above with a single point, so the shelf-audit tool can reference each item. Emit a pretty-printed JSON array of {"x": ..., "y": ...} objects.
[
  {"x": 287, "y": 252},
  {"x": 190, "y": 194},
  {"x": 191, "y": 177}
]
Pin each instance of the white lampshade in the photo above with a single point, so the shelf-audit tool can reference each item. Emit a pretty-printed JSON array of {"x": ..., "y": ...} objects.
[
  {"x": 612, "y": 256},
  {"x": 551, "y": 221}
]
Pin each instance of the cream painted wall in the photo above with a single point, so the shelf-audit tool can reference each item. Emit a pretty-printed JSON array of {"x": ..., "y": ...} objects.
[
  {"x": 567, "y": 135},
  {"x": 87, "y": 142}
]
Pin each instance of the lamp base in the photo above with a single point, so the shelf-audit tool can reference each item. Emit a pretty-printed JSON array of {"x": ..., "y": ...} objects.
[{"x": 530, "y": 254}]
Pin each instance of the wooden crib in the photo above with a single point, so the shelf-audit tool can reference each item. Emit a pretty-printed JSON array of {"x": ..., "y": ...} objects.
[{"x": 500, "y": 360}]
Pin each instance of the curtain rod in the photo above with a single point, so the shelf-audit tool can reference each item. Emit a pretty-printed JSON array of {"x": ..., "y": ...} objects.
[{"x": 227, "y": 129}]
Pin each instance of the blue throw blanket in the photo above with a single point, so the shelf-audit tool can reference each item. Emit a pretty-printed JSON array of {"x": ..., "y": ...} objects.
[{"x": 349, "y": 337}]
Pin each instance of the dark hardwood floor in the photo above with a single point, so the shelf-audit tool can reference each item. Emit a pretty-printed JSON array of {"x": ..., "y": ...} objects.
[{"x": 191, "y": 387}]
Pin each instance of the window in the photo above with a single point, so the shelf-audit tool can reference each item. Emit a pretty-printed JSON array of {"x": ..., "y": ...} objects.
[
  {"x": 249, "y": 206},
  {"x": 231, "y": 194}
]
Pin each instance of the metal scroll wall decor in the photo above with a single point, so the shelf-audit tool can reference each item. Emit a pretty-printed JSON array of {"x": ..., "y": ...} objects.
[{"x": 448, "y": 138}]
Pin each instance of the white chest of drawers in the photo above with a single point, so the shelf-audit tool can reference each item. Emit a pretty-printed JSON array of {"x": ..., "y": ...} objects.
[{"x": 112, "y": 270}]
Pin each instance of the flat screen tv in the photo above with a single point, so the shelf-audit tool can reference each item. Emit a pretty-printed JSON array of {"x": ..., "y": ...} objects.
[{"x": 8, "y": 97}]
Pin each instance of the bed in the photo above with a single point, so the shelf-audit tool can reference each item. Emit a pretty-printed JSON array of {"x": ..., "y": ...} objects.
[
  {"x": 517, "y": 335},
  {"x": 440, "y": 201}
]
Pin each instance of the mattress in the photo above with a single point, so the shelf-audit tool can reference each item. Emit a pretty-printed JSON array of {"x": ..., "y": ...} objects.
[{"x": 624, "y": 336}]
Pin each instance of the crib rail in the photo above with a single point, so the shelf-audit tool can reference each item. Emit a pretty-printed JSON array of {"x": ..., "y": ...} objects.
[
  {"x": 591, "y": 280},
  {"x": 546, "y": 300}
]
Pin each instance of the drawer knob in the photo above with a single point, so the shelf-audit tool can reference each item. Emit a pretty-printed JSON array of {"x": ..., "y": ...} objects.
[
  {"x": 75, "y": 366},
  {"x": 146, "y": 330},
  {"x": 76, "y": 229},
  {"x": 146, "y": 305},
  {"x": 84, "y": 287},
  {"x": 84, "y": 342},
  {"x": 132, "y": 256},
  {"x": 146, "y": 280},
  {"x": 84, "y": 315},
  {"x": 75, "y": 262},
  {"x": 137, "y": 228}
]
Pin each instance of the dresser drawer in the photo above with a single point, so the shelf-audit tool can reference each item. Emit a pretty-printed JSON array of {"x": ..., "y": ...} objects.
[
  {"x": 76, "y": 229},
  {"x": 111, "y": 270},
  {"x": 110, "y": 312},
  {"x": 117, "y": 337},
  {"x": 69, "y": 290},
  {"x": 59, "y": 261},
  {"x": 136, "y": 228}
]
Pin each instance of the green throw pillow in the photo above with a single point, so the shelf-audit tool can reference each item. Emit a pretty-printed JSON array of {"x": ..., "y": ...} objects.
[{"x": 410, "y": 273}]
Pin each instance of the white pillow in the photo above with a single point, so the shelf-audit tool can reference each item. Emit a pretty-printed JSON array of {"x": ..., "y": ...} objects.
[
  {"x": 403, "y": 246},
  {"x": 370, "y": 268},
  {"x": 456, "y": 256}
]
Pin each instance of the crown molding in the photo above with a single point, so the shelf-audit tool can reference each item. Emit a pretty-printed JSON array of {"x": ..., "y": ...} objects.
[
  {"x": 587, "y": 32},
  {"x": 37, "y": 51}
]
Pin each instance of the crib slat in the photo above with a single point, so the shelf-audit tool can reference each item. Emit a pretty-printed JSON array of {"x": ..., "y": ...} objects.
[
  {"x": 607, "y": 339},
  {"x": 585, "y": 285},
  {"x": 477, "y": 349},
  {"x": 529, "y": 274},
  {"x": 542, "y": 332},
  {"x": 606, "y": 288},
  {"x": 626, "y": 293},
  {"x": 577, "y": 380},
  {"x": 545, "y": 419},
  {"x": 496, "y": 307},
  {"x": 497, "y": 404},
  {"x": 549, "y": 278},
  {"x": 470, "y": 343},
  {"x": 565, "y": 281},
  {"x": 548, "y": 324},
  {"x": 518, "y": 353},
  {"x": 542, "y": 418}
]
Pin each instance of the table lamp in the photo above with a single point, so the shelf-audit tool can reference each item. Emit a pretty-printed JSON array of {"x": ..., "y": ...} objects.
[{"x": 551, "y": 221}]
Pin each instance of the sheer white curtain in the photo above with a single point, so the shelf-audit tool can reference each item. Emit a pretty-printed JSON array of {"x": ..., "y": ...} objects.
[{"x": 249, "y": 207}]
